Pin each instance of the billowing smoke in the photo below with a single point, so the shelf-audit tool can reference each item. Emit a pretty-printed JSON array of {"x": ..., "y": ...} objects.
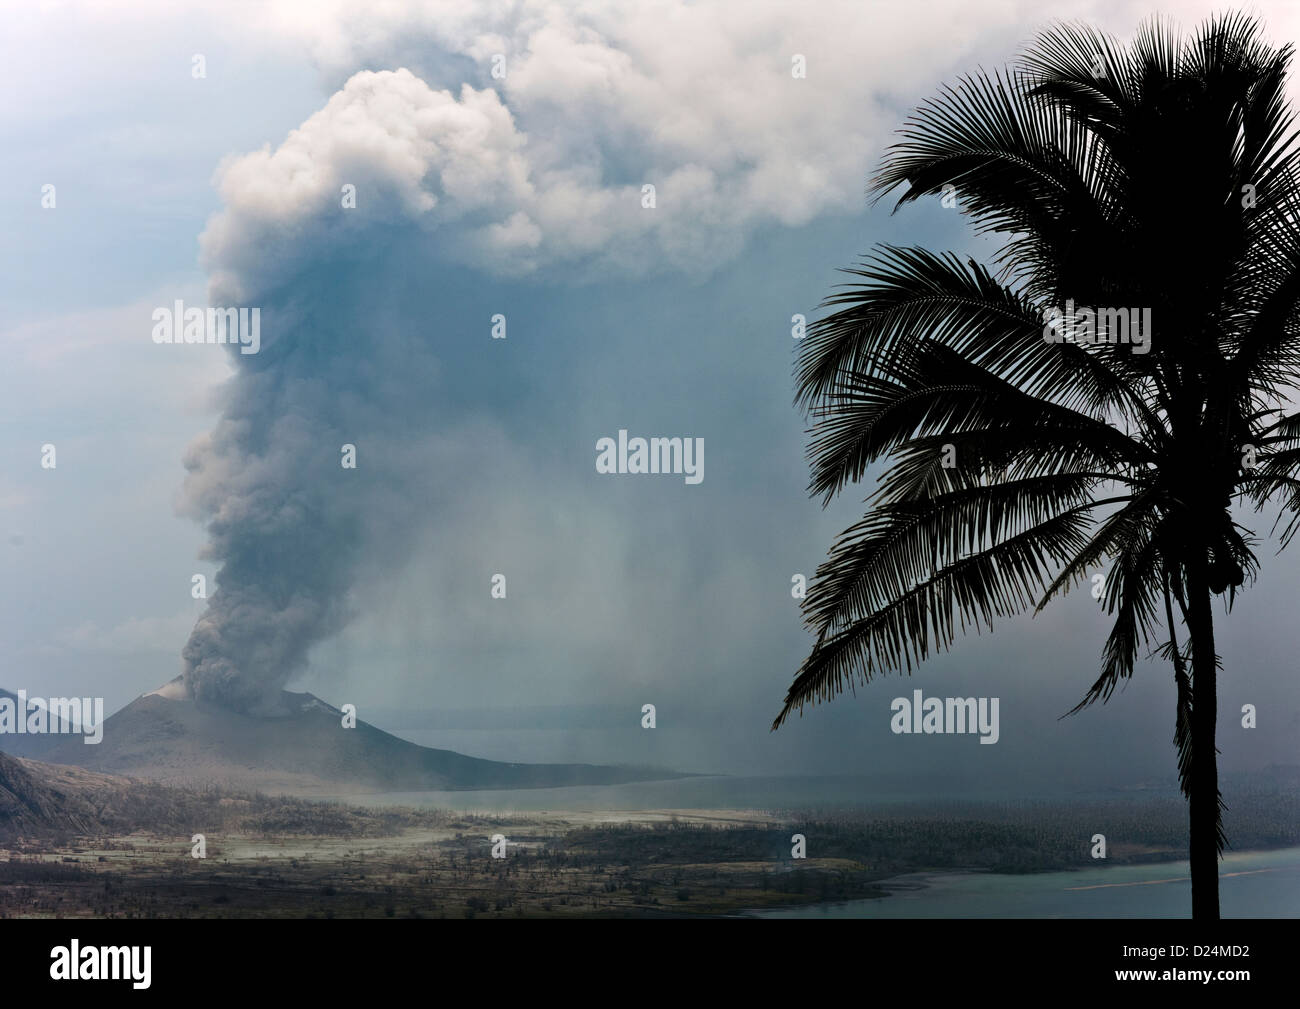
[
  {"x": 393, "y": 177},
  {"x": 293, "y": 529}
]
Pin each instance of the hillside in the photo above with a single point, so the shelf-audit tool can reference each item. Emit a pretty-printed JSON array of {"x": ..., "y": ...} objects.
[
  {"x": 38, "y": 799},
  {"x": 167, "y": 736}
]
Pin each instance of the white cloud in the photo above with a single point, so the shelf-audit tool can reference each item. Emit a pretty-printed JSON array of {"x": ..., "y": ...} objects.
[
  {"x": 411, "y": 152},
  {"x": 546, "y": 166}
]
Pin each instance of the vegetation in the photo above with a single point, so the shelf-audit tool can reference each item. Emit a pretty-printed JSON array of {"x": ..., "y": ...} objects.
[
  {"x": 439, "y": 864},
  {"x": 1026, "y": 451}
]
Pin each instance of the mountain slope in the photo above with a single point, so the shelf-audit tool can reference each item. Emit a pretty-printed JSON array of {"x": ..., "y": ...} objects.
[
  {"x": 26, "y": 744},
  {"x": 167, "y": 736},
  {"x": 37, "y": 799}
]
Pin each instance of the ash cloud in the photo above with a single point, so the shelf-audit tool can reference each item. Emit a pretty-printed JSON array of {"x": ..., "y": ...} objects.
[
  {"x": 538, "y": 174},
  {"x": 439, "y": 179},
  {"x": 293, "y": 531}
]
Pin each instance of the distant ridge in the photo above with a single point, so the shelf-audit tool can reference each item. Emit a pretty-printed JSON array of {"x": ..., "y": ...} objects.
[{"x": 25, "y": 744}]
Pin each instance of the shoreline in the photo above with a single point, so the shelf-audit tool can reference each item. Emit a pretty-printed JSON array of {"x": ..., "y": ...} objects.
[
  {"x": 925, "y": 879},
  {"x": 299, "y": 857}
]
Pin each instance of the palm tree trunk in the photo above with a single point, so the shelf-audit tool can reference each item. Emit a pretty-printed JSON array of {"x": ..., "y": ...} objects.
[{"x": 1204, "y": 796}]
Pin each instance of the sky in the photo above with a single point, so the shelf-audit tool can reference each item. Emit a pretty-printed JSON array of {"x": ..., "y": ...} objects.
[{"x": 518, "y": 194}]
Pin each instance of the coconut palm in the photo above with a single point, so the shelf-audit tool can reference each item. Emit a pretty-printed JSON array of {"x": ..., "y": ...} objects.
[{"x": 1024, "y": 452}]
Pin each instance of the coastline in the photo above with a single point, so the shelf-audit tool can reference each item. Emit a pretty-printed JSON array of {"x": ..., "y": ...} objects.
[{"x": 1089, "y": 880}]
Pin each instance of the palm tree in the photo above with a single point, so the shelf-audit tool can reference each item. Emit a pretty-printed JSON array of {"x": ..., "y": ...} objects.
[{"x": 1025, "y": 452}]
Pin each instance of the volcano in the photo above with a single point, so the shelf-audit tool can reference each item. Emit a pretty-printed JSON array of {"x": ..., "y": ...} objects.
[{"x": 298, "y": 746}]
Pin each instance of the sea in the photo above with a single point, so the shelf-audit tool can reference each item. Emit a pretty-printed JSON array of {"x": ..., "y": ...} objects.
[{"x": 1253, "y": 884}]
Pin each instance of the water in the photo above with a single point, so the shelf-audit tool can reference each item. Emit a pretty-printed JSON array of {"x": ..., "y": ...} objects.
[
  {"x": 1254, "y": 884},
  {"x": 711, "y": 792}
]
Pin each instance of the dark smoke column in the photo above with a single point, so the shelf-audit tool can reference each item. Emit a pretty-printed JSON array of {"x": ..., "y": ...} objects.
[
  {"x": 282, "y": 518},
  {"x": 311, "y": 234}
]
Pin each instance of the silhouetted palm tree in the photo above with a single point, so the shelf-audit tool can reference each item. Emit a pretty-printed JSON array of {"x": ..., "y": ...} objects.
[{"x": 1023, "y": 457}]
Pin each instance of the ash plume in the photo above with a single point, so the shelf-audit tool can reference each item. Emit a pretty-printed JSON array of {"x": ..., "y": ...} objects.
[
  {"x": 447, "y": 177},
  {"x": 295, "y": 532}
]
